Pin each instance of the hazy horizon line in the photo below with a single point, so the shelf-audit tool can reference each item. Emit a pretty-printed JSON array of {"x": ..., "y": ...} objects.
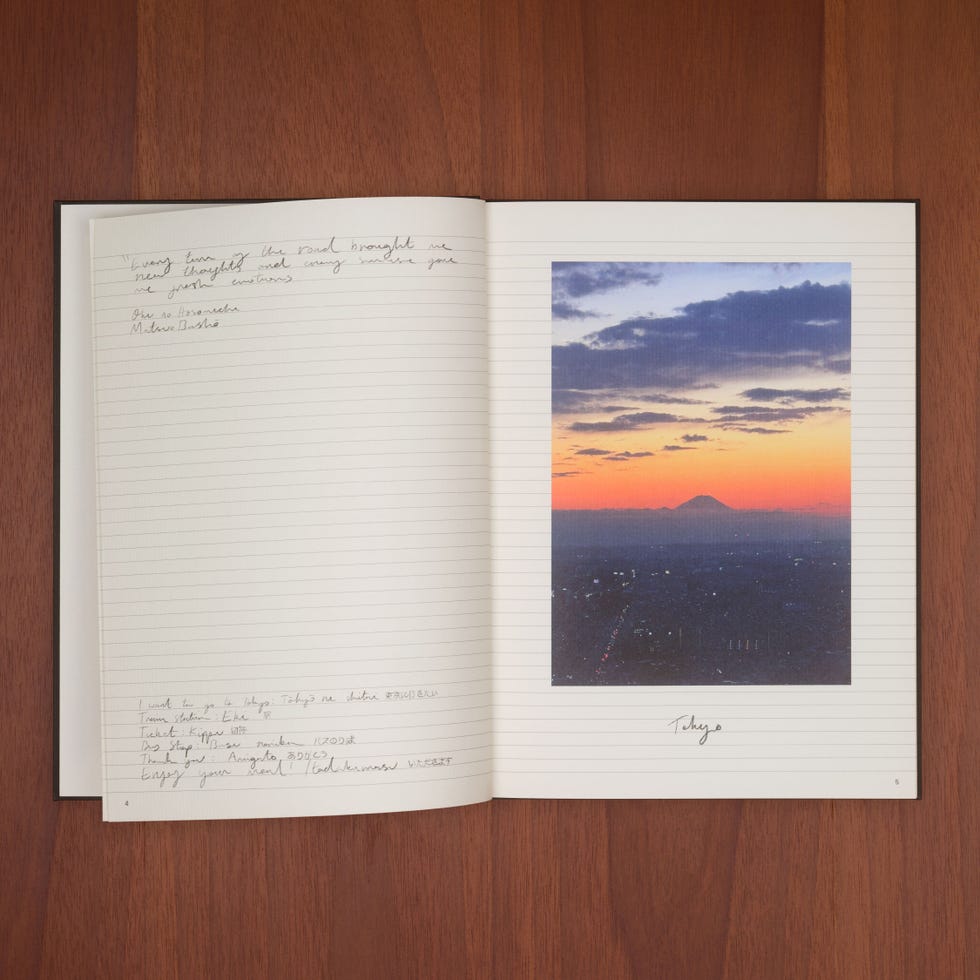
[{"x": 809, "y": 511}]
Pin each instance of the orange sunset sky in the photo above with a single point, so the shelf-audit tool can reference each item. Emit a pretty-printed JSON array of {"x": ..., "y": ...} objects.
[{"x": 677, "y": 379}]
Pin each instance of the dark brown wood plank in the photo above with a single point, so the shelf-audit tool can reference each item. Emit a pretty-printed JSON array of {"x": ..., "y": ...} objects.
[
  {"x": 307, "y": 100},
  {"x": 651, "y": 100},
  {"x": 59, "y": 139}
]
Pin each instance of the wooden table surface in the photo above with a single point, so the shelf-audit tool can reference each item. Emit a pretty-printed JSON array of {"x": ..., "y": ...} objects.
[{"x": 514, "y": 99}]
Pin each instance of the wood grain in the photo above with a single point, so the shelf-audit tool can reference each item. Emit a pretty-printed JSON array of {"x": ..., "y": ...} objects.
[{"x": 508, "y": 99}]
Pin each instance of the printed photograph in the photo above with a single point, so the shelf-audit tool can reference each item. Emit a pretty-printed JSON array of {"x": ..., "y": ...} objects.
[{"x": 701, "y": 473}]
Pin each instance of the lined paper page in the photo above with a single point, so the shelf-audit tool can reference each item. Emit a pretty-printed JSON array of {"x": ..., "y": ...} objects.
[
  {"x": 79, "y": 743},
  {"x": 855, "y": 739},
  {"x": 291, "y": 408}
]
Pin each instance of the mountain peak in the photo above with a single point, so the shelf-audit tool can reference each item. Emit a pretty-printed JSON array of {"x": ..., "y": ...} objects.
[{"x": 703, "y": 503}]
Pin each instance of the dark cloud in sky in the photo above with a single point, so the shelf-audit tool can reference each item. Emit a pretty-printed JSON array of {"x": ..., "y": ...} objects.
[
  {"x": 796, "y": 394},
  {"x": 561, "y": 310},
  {"x": 763, "y": 332},
  {"x": 566, "y": 473},
  {"x": 678, "y": 449},
  {"x": 662, "y": 399},
  {"x": 755, "y": 430},
  {"x": 695, "y": 438},
  {"x": 763, "y": 413},
  {"x": 622, "y": 457},
  {"x": 573, "y": 280},
  {"x": 624, "y": 423},
  {"x": 568, "y": 400},
  {"x": 593, "y": 452}
]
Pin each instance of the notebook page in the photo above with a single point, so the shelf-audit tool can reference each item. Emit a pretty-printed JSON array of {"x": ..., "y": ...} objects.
[
  {"x": 79, "y": 745},
  {"x": 704, "y": 516},
  {"x": 291, "y": 406}
]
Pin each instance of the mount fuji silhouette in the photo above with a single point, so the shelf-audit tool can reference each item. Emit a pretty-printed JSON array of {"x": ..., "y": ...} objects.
[
  {"x": 701, "y": 520},
  {"x": 703, "y": 504}
]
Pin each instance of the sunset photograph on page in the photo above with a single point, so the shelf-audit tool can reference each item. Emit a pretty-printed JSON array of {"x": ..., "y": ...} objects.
[{"x": 701, "y": 442}]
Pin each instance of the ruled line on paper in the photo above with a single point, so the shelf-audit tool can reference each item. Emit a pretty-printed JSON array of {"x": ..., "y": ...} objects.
[
  {"x": 316, "y": 786},
  {"x": 380, "y": 234}
]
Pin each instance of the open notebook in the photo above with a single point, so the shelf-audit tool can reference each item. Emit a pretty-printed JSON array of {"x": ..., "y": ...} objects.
[{"x": 387, "y": 504}]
